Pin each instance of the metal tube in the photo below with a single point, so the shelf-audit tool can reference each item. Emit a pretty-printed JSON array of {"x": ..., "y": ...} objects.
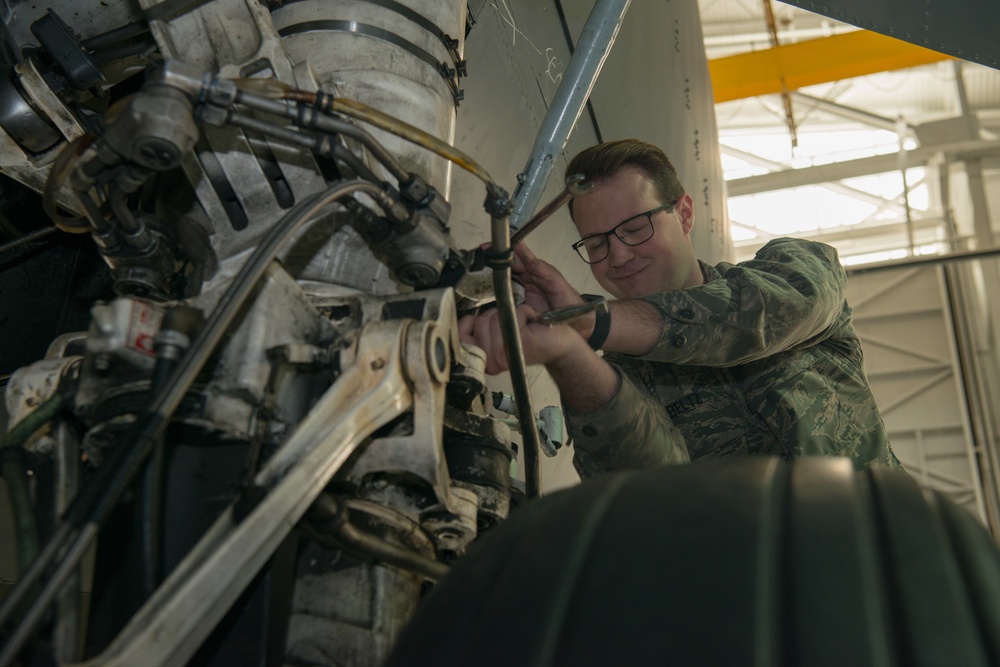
[
  {"x": 575, "y": 185},
  {"x": 596, "y": 40},
  {"x": 922, "y": 260},
  {"x": 310, "y": 118},
  {"x": 531, "y": 439},
  {"x": 349, "y": 535},
  {"x": 980, "y": 449}
]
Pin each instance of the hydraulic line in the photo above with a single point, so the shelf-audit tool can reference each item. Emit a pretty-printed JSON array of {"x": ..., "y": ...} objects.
[
  {"x": 116, "y": 36},
  {"x": 179, "y": 326},
  {"x": 99, "y": 224},
  {"x": 345, "y": 534},
  {"x": 66, "y": 479},
  {"x": 134, "y": 234},
  {"x": 149, "y": 496},
  {"x": 323, "y": 147},
  {"x": 30, "y": 237},
  {"x": 500, "y": 227},
  {"x": 254, "y": 93},
  {"x": 79, "y": 541},
  {"x": 62, "y": 167},
  {"x": 499, "y": 257},
  {"x": 15, "y": 476},
  {"x": 401, "y": 129},
  {"x": 93, "y": 505},
  {"x": 294, "y": 137},
  {"x": 359, "y": 168},
  {"x": 310, "y": 118},
  {"x": 575, "y": 185},
  {"x": 122, "y": 52}
]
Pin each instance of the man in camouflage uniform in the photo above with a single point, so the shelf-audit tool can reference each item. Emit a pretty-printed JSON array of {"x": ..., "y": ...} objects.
[{"x": 700, "y": 361}]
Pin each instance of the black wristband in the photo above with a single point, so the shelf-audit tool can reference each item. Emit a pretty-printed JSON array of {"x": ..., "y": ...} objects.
[{"x": 602, "y": 321}]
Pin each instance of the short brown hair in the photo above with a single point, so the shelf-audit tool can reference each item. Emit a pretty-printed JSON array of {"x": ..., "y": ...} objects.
[{"x": 601, "y": 162}]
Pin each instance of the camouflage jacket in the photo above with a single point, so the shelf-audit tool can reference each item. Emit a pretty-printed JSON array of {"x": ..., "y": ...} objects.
[{"x": 760, "y": 359}]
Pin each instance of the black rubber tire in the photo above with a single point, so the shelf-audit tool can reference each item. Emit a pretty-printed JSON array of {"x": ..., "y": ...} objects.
[{"x": 742, "y": 562}]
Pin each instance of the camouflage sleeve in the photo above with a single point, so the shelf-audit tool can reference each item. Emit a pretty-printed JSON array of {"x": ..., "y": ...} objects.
[
  {"x": 789, "y": 295},
  {"x": 631, "y": 431}
]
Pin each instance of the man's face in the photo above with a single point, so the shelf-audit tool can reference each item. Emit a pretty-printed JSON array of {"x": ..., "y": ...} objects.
[{"x": 665, "y": 262}]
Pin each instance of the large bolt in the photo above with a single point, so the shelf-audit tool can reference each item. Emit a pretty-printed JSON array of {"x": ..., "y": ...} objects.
[{"x": 102, "y": 363}]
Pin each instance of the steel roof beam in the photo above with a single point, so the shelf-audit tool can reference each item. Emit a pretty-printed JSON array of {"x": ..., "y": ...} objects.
[
  {"x": 879, "y": 164},
  {"x": 813, "y": 62}
]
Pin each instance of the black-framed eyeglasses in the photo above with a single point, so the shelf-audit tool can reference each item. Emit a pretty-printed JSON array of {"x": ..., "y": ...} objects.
[{"x": 635, "y": 231}]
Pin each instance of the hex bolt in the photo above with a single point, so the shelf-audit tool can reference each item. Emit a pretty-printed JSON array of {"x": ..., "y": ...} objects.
[{"x": 102, "y": 363}]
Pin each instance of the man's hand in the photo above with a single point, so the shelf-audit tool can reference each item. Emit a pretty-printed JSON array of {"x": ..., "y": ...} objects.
[
  {"x": 541, "y": 344},
  {"x": 546, "y": 289},
  {"x": 585, "y": 381}
]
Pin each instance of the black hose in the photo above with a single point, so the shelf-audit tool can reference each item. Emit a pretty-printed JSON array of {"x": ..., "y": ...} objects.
[
  {"x": 180, "y": 324},
  {"x": 92, "y": 506},
  {"x": 115, "y": 36},
  {"x": 30, "y": 237},
  {"x": 16, "y": 477},
  {"x": 122, "y": 52},
  {"x": 150, "y": 495}
]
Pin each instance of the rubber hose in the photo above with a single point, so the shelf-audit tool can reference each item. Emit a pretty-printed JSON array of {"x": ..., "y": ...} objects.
[{"x": 16, "y": 478}]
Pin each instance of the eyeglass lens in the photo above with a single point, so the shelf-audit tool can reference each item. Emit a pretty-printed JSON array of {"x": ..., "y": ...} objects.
[{"x": 631, "y": 232}]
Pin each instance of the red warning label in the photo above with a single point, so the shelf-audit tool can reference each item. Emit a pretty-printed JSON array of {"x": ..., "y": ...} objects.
[{"x": 143, "y": 325}]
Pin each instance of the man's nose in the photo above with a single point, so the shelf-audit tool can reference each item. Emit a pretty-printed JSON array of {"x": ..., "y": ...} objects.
[{"x": 619, "y": 253}]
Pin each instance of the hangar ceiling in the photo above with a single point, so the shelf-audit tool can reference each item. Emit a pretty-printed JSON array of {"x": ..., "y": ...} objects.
[{"x": 781, "y": 83}]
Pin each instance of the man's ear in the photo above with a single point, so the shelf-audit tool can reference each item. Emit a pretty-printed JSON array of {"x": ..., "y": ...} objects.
[{"x": 685, "y": 209}]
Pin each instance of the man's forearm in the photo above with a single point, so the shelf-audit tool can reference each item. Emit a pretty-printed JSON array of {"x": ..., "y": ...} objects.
[
  {"x": 631, "y": 431},
  {"x": 636, "y": 327},
  {"x": 585, "y": 381}
]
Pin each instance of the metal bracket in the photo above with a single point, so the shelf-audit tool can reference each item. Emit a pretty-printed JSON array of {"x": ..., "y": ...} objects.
[{"x": 372, "y": 391}]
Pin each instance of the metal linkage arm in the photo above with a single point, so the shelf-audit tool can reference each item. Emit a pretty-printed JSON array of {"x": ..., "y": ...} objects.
[{"x": 372, "y": 391}]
